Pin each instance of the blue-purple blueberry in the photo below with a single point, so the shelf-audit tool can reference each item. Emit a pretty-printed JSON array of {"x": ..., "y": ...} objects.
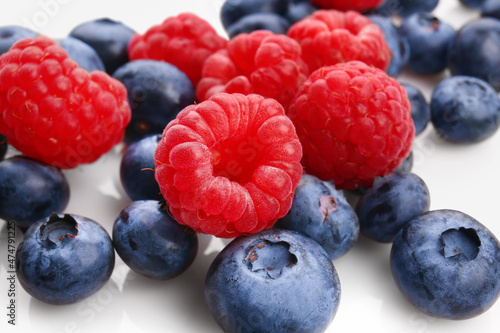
[
  {"x": 491, "y": 8},
  {"x": 447, "y": 263},
  {"x": 84, "y": 55},
  {"x": 64, "y": 259},
  {"x": 399, "y": 46},
  {"x": 12, "y": 33},
  {"x": 31, "y": 190},
  {"x": 259, "y": 21},
  {"x": 234, "y": 10},
  {"x": 465, "y": 109},
  {"x": 137, "y": 169},
  {"x": 477, "y": 4},
  {"x": 274, "y": 281},
  {"x": 476, "y": 51},
  {"x": 151, "y": 242},
  {"x": 109, "y": 38},
  {"x": 299, "y": 9},
  {"x": 390, "y": 203},
  {"x": 157, "y": 92},
  {"x": 405, "y": 7},
  {"x": 429, "y": 40},
  {"x": 321, "y": 212},
  {"x": 420, "y": 110}
]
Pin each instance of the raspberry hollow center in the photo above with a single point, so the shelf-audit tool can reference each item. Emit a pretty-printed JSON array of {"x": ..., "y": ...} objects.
[{"x": 237, "y": 159}]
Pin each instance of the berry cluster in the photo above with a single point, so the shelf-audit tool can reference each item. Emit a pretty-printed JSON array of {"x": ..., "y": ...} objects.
[{"x": 294, "y": 137}]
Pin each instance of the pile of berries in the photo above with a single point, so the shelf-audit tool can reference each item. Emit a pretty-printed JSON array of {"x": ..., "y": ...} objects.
[{"x": 293, "y": 137}]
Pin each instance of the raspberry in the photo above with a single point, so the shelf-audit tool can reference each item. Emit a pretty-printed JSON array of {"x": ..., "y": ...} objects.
[
  {"x": 261, "y": 62},
  {"x": 354, "y": 123},
  {"x": 229, "y": 165},
  {"x": 54, "y": 111},
  {"x": 184, "y": 41},
  {"x": 329, "y": 37},
  {"x": 358, "y": 5}
]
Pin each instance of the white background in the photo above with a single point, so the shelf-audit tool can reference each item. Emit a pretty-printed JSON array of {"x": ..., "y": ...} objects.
[{"x": 461, "y": 177}]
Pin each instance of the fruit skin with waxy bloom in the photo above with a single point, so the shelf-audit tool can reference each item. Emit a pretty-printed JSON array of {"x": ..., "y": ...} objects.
[
  {"x": 151, "y": 242},
  {"x": 390, "y": 203},
  {"x": 446, "y": 263},
  {"x": 274, "y": 281},
  {"x": 31, "y": 190},
  {"x": 64, "y": 259},
  {"x": 229, "y": 165},
  {"x": 137, "y": 169},
  {"x": 321, "y": 212},
  {"x": 109, "y": 38},
  {"x": 156, "y": 92}
]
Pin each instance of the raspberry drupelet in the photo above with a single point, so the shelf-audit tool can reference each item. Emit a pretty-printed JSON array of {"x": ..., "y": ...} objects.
[
  {"x": 53, "y": 111},
  {"x": 354, "y": 123},
  {"x": 228, "y": 166},
  {"x": 185, "y": 41},
  {"x": 328, "y": 37},
  {"x": 261, "y": 62}
]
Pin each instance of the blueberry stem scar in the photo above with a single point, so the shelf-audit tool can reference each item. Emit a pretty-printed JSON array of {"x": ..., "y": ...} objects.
[
  {"x": 57, "y": 229},
  {"x": 462, "y": 242},
  {"x": 270, "y": 257}
]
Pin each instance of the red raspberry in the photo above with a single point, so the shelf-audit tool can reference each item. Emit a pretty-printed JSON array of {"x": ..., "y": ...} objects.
[
  {"x": 354, "y": 123},
  {"x": 261, "y": 62},
  {"x": 184, "y": 41},
  {"x": 54, "y": 111},
  {"x": 229, "y": 165},
  {"x": 329, "y": 37},
  {"x": 359, "y": 5}
]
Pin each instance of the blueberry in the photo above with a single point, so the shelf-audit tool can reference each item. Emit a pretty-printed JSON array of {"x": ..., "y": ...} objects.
[
  {"x": 446, "y": 263},
  {"x": 271, "y": 282},
  {"x": 157, "y": 91},
  {"x": 259, "y": 21},
  {"x": 298, "y": 10},
  {"x": 390, "y": 203},
  {"x": 3, "y": 146},
  {"x": 30, "y": 190},
  {"x": 84, "y": 55},
  {"x": 11, "y": 34},
  {"x": 322, "y": 213},
  {"x": 234, "y": 10},
  {"x": 137, "y": 169},
  {"x": 429, "y": 41},
  {"x": 476, "y": 51},
  {"x": 151, "y": 242},
  {"x": 109, "y": 38},
  {"x": 398, "y": 45},
  {"x": 491, "y": 8},
  {"x": 474, "y": 3},
  {"x": 420, "y": 110},
  {"x": 64, "y": 259},
  {"x": 465, "y": 109},
  {"x": 405, "y": 7}
]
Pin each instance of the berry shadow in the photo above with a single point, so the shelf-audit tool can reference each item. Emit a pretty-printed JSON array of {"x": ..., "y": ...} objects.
[
  {"x": 100, "y": 312},
  {"x": 186, "y": 291}
]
